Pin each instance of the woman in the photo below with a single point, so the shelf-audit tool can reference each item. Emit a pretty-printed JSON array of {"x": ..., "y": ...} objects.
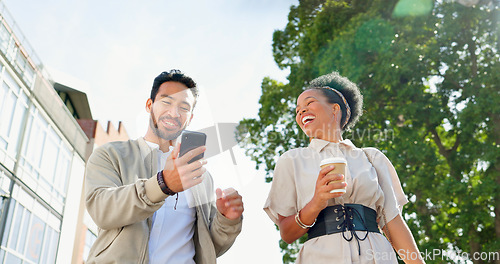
[{"x": 342, "y": 227}]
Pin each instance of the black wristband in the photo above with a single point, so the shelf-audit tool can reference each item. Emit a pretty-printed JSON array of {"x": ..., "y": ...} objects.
[{"x": 163, "y": 186}]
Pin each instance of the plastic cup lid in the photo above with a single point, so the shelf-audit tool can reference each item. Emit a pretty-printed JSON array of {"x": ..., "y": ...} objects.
[{"x": 332, "y": 160}]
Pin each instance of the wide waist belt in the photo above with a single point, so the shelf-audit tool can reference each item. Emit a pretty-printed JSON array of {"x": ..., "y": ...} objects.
[{"x": 342, "y": 218}]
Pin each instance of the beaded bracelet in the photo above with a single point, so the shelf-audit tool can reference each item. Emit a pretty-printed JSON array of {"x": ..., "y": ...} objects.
[
  {"x": 163, "y": 186},
  {"x": 302, "y": 225}
]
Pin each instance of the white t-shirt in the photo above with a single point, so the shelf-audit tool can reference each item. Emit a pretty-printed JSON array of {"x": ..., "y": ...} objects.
[{"x": 171, "y": 236}]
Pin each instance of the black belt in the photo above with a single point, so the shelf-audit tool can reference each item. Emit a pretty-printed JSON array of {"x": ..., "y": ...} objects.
[{"x": 342, "y": 218}]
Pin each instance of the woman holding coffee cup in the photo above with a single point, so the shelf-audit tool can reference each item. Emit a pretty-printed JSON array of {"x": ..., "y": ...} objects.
[{"x": 337, "y": 193}]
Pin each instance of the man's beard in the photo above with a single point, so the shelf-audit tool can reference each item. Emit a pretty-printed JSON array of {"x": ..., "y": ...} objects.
[{"x": 164, "y": 134}]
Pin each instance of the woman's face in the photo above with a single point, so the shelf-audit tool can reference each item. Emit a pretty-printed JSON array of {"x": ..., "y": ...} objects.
[{"x": 315, "y": 116}]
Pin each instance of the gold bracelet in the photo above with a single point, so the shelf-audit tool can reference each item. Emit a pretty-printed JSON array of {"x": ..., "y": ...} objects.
[{"x": 302, "y": 225}]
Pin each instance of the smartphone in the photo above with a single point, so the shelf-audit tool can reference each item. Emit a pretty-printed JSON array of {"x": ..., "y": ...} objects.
[{"x": 191, "y": 140}]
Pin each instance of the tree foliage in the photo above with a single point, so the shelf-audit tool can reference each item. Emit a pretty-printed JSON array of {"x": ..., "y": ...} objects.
[{"x": 430, "y": 75}]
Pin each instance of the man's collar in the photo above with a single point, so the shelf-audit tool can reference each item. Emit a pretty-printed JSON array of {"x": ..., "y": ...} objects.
[
  {"x": 153, "y": 146},
  {"x": 320, "y": 144}
]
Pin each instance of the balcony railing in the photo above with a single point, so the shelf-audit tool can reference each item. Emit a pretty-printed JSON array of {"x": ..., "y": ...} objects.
[{"x": 16, "y": 48}]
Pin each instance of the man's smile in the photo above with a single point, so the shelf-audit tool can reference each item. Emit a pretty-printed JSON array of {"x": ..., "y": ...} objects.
[{"x": 170, "y": 123}]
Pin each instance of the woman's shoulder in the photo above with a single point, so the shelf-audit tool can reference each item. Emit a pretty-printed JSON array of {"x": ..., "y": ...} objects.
[
  {"x": 372, "y": 151},
  {"x": 293, "y": 156},
  {"x": 295, "y": 153},
  {"x": 376, "y": 156}
]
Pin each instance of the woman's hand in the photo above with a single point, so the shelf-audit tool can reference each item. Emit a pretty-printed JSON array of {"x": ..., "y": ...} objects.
[
  {"x": 324, "y": 186},
  {"x": 289, "y": 229}
]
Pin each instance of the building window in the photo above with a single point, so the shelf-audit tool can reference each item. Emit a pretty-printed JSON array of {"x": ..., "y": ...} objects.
[
  {"x": 89, "y": 241},
  {"x": 31, "y": 233},
  {"x": 5, "y": 183},
  {"x": 16, "y": 57},
  {"x": 45, "y": 161},
  {"x": 4, "y": 38},
  {"x": 13, "y": 106}
]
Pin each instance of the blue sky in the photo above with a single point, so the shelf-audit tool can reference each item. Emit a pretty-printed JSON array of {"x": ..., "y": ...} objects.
[{"x": 112, "y": 50}]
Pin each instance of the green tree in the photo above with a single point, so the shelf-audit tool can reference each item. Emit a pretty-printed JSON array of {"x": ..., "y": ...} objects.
[{"x": 430, "y": 74}]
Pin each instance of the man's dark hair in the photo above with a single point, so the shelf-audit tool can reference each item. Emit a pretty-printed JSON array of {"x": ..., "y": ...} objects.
[
  {"x": 348, "y": 89},
  {"x": 173, "y": 76}
]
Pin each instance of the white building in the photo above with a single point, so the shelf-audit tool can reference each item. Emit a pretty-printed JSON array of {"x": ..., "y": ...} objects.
[{"x": 42, "y": 158}]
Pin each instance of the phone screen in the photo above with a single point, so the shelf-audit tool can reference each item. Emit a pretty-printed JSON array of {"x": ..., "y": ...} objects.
[{"x": 191, "y": 140}]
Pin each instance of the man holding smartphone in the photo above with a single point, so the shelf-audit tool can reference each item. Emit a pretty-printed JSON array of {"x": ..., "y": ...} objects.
[{"x": 151, "y": 204}]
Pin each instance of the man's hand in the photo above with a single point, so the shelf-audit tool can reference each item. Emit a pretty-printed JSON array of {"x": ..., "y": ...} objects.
[
  {"x": 229, "y": 203},
  {"x": 179, "y": 175}
]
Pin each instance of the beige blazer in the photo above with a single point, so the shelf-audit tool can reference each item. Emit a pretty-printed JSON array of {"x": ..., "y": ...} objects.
[{"x": 122, "y": 194}]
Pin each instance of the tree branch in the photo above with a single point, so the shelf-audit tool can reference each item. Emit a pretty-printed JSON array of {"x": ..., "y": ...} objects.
[
  {"x": 447, "y": 152},
  {"x": 475, "y": 247},
  {"x": 442, "y": 150},
  {"x": 457, "y": 143}
]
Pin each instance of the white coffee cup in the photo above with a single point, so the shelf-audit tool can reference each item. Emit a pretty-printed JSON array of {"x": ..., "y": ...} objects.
[{"x": 340, "y": 164}]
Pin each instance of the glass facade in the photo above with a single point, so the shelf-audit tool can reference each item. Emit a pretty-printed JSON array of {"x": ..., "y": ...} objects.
[
  {"x": 34, "y": 153},
  {"x": 15, "y": 54},
  {"x": 31, "y": 233},
  {"x": 45, "y": 161},
  {"x": 13, "y": 108},
  {"x": 36, "y": 162},
  {"x": 89, "y": 241}
]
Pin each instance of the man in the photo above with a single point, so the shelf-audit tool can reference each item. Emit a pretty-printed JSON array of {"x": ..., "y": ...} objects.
[{"x": 150, "y": 205}]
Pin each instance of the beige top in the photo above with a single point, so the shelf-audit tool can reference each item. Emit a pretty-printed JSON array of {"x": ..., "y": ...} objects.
[{"x": 376, "y": 186}]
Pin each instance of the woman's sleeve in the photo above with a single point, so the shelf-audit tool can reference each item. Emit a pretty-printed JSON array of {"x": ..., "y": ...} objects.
[
  {"x": 282, "y": 198},
  {"x": 394, "y": 197}
]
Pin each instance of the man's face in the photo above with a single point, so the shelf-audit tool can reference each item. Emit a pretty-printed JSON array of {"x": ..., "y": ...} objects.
[{"x": 171, "y": 111}]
